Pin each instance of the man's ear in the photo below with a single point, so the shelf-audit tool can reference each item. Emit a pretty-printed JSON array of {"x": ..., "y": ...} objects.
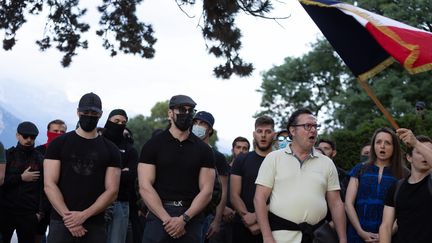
[{"x": 409, "y": 158}]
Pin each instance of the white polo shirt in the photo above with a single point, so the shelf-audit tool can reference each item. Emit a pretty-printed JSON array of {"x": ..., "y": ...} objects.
[{"x": 298, "y": 189}]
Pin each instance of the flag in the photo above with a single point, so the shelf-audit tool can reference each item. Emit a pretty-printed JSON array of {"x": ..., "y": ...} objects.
[{"x": 368, "y": 42}]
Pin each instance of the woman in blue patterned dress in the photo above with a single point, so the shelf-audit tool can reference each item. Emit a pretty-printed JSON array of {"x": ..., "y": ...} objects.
[{"x": 368, "y": 185}]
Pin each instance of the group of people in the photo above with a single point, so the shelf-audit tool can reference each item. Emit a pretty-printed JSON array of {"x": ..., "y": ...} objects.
[{"x": 85, "y": 184}]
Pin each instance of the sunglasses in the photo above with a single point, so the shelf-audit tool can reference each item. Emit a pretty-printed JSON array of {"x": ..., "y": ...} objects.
[
  {"x": 184, "y": 110},
  {"x": 25, "y": 136}
]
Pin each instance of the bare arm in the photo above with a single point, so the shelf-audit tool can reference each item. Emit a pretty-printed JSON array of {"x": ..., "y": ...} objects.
[
  {"x": 351, "y": 194},
  {"x": 409, "y": 139},
  {"x": 215, "y": 224},
  {"x": 51, "y": 177},
  {"x": 262, "y": 194},
  {"x": 386, "y": 228},
  {"x": 350, "y": 197},
  {"x": 236, "y": 200},
  {"x": 146, "y": 178},
  {"x": 206, "y": 183},
  {"x": 112, "y": 181},
  {"x": 338, "y": 214}
]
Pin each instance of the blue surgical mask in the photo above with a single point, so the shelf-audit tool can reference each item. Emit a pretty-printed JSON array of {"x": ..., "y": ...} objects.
[
  {"x": 283, "y": 144},
  {"x": 199, "y": 131}
]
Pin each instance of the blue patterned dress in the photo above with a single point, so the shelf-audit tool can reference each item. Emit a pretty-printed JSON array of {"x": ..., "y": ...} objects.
[{"x": 369, "y": 203}]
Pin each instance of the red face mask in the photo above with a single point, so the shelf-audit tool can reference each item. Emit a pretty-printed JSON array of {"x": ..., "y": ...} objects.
[{"x": 52, "y": 135}]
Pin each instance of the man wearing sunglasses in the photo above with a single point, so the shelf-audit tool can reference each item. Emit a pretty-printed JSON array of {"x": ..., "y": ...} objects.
[
  {"x": 21, "y": 204},
  {"x": 299, "y": 182},
  {"x": 176, "y": 176}
]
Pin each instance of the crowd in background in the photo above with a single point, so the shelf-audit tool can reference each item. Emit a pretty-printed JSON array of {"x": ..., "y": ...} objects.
[{"x": 91, "y": 185}]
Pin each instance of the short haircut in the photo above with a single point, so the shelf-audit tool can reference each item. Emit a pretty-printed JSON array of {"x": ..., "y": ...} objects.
[
  {"x": 421, "y": 139},
  {"x": 58, "y": 122},
  {"x": 293, "y": 118},
  {"x": 240, "y": 139},
  {"x": 325, "y": 140},
  {"x": 264, "y": 120}
]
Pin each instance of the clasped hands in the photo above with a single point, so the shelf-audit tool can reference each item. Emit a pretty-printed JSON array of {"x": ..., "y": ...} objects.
[
  {"x": 73, "y": 220},
  {"x": 175, "y": 226}
]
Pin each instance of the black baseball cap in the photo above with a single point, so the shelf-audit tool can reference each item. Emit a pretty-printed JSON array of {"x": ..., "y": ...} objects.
[
  {"x": 27, "y": 128},
  {"x": 90, "y": 102},
  {"x": 180, "y": 100}
]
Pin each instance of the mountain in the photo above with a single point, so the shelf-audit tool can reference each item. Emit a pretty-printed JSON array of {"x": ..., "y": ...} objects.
[
  {"x": 8, "y": 125},
  {"x": 21, "y": 101}
]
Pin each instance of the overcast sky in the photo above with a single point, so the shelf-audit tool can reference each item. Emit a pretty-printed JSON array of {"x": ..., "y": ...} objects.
[{"x": 181, "y": 64}]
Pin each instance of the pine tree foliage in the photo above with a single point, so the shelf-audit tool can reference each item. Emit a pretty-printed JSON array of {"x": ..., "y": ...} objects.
[{"x": 123, "y": 31}]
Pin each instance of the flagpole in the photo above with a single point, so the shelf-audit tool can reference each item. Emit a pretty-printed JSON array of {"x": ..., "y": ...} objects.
[{"x": 377, "y": 102}]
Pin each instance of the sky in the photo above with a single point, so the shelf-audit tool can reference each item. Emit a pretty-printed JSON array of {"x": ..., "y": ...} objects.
[{"x": 181, "y": 64}]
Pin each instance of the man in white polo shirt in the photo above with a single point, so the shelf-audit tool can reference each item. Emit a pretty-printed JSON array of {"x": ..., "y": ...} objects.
[{"x": 298, "y": 181}]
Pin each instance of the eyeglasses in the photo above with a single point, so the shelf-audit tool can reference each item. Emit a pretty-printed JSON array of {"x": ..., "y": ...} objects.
[
  {"x": 25, "y": 136},
  {"x": 281, "y": 138},
  {"x": 307, "y": 126},
  {"x": 184, "y": 110}
]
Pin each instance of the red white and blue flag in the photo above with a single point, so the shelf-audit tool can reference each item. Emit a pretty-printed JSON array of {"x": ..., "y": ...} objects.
[{"x": 368, "y": 42}]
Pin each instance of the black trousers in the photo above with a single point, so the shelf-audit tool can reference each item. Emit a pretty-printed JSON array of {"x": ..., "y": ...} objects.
[
  {"x": 243, "y": 234},
  {"x": 25, "y": 226}
]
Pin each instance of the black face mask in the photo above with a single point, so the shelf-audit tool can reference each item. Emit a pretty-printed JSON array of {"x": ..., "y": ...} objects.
[
  {"x": 183, "y": 121},
  {"x": 114, "y": 131},
  {"x": 88, "y": 123}
]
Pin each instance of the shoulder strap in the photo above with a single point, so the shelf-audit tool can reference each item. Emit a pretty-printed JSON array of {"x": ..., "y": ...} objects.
[{"x": 398, "y": 185}]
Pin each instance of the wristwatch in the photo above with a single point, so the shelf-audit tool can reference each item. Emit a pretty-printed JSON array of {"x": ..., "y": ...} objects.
[{"x": 186, "y": 218}]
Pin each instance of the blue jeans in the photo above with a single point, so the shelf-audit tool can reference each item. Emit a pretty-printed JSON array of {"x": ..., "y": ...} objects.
[
  {"x": 117, "y": 227},
  {"x": 58, "y": 233},
  {"x": 154, "y": 231}
]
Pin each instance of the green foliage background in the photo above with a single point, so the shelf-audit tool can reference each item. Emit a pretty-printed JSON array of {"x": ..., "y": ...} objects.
[{"x": 321, "y": 81}]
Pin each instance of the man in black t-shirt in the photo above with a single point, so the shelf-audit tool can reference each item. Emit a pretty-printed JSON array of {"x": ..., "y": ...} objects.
[
  {"x": 410, "y": 204},
  {"x": 203, "y": 128},
  {"x": 242, "y": 182},
  {"x": 82, "y": 177},
  {"x": 176, "y": 176}
]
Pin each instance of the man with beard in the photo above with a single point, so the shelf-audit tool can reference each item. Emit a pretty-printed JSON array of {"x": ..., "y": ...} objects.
[
  {"x": 82, "y": 177},
  {"x": 55, "y": 129},
  {"x": 243, "y": 174},
  {"x": 118, "y": 217},
  {"x": 176, "y": 176},
  {"x": 298, "y": 181},
  {"x": 21, "y": 202},
  {"x": 240, "y": 145}
]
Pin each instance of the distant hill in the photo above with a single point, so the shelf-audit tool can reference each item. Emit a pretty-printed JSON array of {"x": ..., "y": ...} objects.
[
  {"x": 23, "y": 102},
  {"x": 8, "y": 125}
]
